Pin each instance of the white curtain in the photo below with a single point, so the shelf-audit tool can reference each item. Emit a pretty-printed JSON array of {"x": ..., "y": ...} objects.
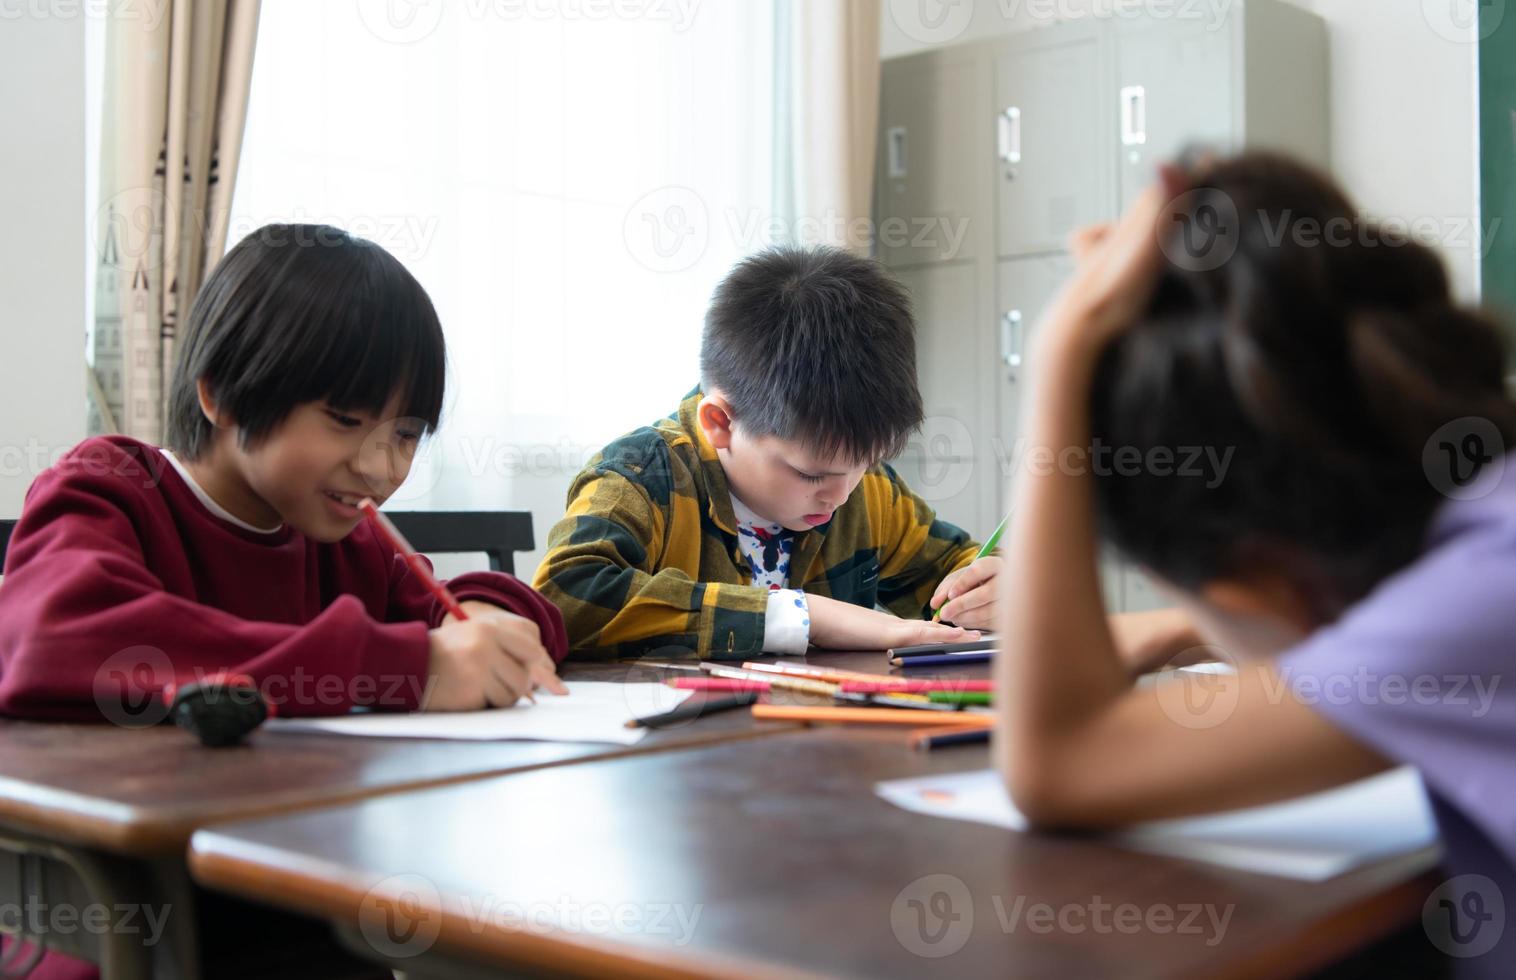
[{"x": 569, "y": 187}]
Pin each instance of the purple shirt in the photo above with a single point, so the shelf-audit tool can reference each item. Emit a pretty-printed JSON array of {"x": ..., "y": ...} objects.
[{"x": 1416, "y": 670}]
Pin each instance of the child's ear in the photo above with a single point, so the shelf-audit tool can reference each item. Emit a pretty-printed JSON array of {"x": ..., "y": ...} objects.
[
  {"x": 209, "y": 408},
  {"x": 715, "y": 417}
]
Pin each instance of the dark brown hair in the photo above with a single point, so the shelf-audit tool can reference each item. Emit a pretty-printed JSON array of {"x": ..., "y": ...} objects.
[
  {"x": 816, "y": 345},
  {"x": 1322, "y": 363}
]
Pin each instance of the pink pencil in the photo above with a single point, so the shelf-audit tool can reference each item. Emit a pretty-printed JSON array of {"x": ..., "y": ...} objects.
[
  {"x": 390, "y": 535},
  {"x": 716, "y": 684}
]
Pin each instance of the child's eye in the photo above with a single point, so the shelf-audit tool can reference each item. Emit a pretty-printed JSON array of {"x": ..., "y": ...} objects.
[
  {"x": 808, "y": 478},
  {"x": 408, "y": 435},
  {"x": 347, "y": 421}
]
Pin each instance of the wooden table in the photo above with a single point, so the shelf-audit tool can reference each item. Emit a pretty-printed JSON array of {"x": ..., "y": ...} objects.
[
  {"x": 774, "y": 858},
  {"x": 100, "y": 815}
]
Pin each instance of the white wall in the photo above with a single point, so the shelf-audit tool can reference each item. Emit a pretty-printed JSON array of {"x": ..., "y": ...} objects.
[
  {"x": 43, "y": 253},
  {"x": 1403, "y": 103}
]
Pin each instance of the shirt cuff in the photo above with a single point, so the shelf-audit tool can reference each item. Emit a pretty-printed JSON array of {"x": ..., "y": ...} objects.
[{"x": 787, "y": 622}]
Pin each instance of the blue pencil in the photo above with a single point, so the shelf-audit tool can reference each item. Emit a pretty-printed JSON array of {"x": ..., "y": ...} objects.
[{"x": 944, "y": 660}]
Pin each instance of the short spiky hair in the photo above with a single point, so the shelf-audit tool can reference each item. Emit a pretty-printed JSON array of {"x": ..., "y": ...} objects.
[
  {"x": 815, "y": 345},
  {"x": 302, "y": 313}
]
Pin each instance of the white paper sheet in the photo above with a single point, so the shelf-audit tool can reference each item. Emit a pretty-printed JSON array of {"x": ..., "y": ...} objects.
[
  {"x": 1311, "y": 838},
  {"x": 593, "y": 711}
]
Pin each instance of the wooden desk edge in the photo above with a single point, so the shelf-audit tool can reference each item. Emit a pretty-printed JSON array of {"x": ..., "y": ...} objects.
[
  {"x": 137, "y": 831},
  {"x": 235, "y": 867}
]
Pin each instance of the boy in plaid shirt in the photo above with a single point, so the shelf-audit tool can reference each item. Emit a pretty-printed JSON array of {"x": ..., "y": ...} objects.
[{"x": 759, "y": 517}]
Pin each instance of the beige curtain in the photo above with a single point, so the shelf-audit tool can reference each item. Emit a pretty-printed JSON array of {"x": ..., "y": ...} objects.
[
  {"x": 176, "y": 87},
  {"x": 833, "y": 103}
]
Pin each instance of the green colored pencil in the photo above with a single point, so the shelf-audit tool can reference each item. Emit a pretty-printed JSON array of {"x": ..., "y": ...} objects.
[
  {"x": 988, "y": 547},
  {"x": 961, "y": 697}
]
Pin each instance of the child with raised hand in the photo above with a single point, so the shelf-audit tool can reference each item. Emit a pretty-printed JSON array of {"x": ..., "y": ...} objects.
[
  {"x": 311, "y": 365},
  {"x": 1355, "y": 562}
]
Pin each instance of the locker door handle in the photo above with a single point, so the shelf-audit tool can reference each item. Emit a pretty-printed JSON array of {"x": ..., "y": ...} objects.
[
  {"x": 894, "y": 144},
  {"x": 1134, "y": 115},
  {"x": 1008, "y": 124},
  {"x": 1010, "y": 340}
]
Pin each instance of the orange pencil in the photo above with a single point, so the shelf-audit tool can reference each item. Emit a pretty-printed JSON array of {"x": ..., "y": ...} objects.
[{"x": 828, "y": 674}]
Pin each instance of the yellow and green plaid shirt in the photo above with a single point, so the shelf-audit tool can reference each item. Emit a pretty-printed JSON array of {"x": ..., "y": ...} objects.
[{"x": 646, "y": 560}]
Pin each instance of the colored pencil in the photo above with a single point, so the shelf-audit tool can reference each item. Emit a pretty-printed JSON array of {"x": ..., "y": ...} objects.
[
  {"x": 946, "y": 660},
  {"x": 905, "y": 685},
  {"x": 695, "y": 708},
  {"x": 716, "y": 684},
  {"x": 938, "y": 738},
  {"x": 960, "y": 697},
  {"x": 909, "y": 702},
  {"x": 939, "y": 649},
  {"x": 832, "y": 675},
  {"x": 873, "y": 716},
  {"x": 390, "y": 535},
  {"x": 802, "y": 684}
]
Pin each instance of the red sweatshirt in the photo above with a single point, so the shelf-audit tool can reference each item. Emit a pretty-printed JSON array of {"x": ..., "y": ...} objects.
[{"x": 118, "y": 580}]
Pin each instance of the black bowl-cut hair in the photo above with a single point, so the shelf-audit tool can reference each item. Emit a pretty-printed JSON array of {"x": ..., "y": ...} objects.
[
  {"x": 815, "y": 345},
  {"x": 298, "y": 313}
]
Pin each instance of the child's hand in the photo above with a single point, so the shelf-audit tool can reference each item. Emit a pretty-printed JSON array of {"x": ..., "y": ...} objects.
[
  {"x": 967, "y": 596},
  {"x": 837, "y": 625},
  {"x": 1117, "y": 266},
  {"x": 491, "y": 659}
]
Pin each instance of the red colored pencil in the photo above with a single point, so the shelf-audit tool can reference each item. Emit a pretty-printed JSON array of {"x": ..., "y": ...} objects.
[{"x": 390, "y": 535}]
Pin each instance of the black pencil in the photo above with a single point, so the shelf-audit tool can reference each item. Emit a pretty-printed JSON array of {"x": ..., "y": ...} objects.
[{"x": 696, "y": 708}]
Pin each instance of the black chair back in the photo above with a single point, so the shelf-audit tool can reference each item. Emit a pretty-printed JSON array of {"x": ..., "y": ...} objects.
[{"x": 499, "y": 534}]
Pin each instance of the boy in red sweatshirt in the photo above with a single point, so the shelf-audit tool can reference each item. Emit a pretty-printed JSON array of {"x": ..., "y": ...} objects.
[{"x": 311, "y": 365}]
